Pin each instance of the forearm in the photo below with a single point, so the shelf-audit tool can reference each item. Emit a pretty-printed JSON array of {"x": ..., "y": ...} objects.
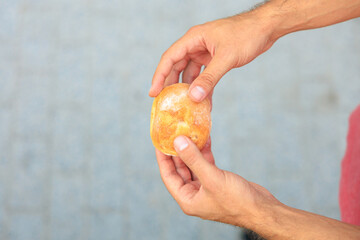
[
  {"x": 283, "y": 222},
  {"x": 288, "y": 16}
]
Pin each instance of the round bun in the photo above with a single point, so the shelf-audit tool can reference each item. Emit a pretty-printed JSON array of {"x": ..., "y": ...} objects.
[{"x": 173, "y": 114}]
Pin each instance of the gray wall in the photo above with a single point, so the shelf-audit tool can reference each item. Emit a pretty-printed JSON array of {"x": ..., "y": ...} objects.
[{"x": 76, "y": 159}]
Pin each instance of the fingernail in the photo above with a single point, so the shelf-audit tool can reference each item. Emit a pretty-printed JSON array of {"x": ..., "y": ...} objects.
[
  {"x": 197, "y": 93},
  {"x": 180, "y": 143}
]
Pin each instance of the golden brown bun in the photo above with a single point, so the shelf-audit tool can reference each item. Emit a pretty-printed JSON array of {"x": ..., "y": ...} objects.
[{"x": 174, "y": 114}]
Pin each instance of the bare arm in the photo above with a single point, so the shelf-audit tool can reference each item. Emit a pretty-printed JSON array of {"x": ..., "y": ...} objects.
[
  {"x": 224, "y": 44},
  {"x": 290, "y": 16},
  {"x": 220, "y": 46},
  {"x": 283, "y": 222},
  {"x": 219, "y": 195}
]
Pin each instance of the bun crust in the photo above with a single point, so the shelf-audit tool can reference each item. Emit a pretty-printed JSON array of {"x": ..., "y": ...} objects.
[{"x": 173, "y": 113}]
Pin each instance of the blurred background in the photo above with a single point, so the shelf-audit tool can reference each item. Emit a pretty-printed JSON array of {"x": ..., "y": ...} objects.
[{"x": 76, "y": 158}]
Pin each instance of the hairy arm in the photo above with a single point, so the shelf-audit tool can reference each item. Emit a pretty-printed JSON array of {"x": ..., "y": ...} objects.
[
  {"x": 290, "y": 16},
  {"x": 286, "y": 16},
  {"x": 222, "y": 196},
  {"x": 283, "y": 222},
  {"x": 228, "y": 43},
  {"x": 220, "y": 46}
]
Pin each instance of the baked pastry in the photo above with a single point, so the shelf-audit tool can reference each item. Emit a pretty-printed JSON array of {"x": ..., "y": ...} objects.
[{"x": 173, "y": 113}]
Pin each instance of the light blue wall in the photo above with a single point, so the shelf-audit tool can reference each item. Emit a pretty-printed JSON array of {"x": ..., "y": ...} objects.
[{"x": 76, "y": 159}]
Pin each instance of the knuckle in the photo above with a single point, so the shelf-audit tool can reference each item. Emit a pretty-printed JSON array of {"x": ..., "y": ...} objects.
[
  {"x": 179, "y": 66},
  {"x": 187, "y": 210},
  {"x": 163, "y": 56},
  {"x": 191, "y": 159},
  {"x": 194, "y": 29},
  {"x": 193, "y": 76},
  {"x": 207, "y": 80},
  {"x": 195, "y": 72}
]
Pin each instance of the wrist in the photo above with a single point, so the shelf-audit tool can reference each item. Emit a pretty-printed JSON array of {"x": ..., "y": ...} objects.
[
  {"x": 270, "y": 220},
  {"x": 278, "y": 18},
  {"x": 271, "y": 20}
]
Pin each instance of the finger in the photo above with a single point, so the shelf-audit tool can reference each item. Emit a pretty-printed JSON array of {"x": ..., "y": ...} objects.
[
  {"x": 182, "y": 169},
  {"x": 171, "y": 178},
  {"x": 173, "y": 77},
  {"x": 191, "y": 72},
  {"x": 173, "y": 55},
  {"x": 206, "y": 81},
  {"x": 207, "y": 154},
  {"x": 192, "y": 157},
  {"x": 210, "y": 98}
]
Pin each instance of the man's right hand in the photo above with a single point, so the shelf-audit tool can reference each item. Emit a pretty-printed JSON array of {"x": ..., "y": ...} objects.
[{"x": 219, "y": 46}]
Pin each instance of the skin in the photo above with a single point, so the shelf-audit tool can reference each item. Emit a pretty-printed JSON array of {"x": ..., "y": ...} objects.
[{"x": 200, "y": 188}]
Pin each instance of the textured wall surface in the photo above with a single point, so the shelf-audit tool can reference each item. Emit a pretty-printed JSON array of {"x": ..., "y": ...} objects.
[{"x": 76, "y": 159}]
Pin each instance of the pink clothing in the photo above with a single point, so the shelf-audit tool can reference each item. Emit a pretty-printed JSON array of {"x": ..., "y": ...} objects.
[{"x": 349, "y": 195}]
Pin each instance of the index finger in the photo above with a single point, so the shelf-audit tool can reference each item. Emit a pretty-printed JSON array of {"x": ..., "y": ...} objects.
[
  {"x": 177, "y": 52},
  {"x": 204, "y": 169},
  {"x": 171, "y": 178}
]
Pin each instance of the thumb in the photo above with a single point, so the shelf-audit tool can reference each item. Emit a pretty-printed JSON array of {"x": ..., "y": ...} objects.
[
  {"x": 206, "y": 81},
  {"x": 192, "y": 157}
]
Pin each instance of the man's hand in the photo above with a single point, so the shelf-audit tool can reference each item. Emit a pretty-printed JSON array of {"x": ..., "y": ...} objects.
[
  {"x": 219, "y": 46},
  {"x": 203, "y": 190},
  {"x": 232, "y": 42}
]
